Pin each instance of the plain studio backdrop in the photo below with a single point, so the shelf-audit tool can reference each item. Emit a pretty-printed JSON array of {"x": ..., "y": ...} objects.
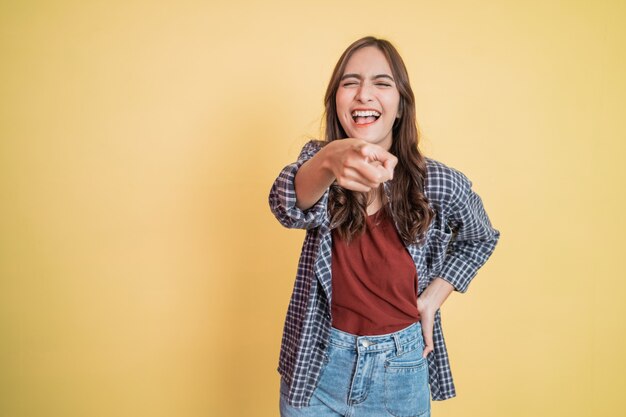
[{"x": 142, "y": 273}]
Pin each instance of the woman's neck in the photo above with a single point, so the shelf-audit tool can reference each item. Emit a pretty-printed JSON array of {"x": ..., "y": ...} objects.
[{"x": 375, "y": 200}]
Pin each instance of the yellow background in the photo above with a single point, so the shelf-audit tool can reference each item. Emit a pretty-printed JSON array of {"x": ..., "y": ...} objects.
[{"x": 142, "y": 273}]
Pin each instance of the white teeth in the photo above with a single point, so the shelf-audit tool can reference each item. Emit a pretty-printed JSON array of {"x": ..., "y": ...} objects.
[{"x": 365, "y": 113}]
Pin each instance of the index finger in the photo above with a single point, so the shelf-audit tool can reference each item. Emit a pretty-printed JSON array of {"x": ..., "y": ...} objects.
[
  {"x": 375, "y": 152},
  {"x": 372, "y": 172},
  {"x": 390, "y": 164}
]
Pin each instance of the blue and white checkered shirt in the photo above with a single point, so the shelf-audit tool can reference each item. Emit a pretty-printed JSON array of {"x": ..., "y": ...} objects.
[{"x": 458, "y": 242}]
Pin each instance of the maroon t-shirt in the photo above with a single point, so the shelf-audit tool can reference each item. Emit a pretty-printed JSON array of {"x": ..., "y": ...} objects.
[{"x": 374, "y": 280}]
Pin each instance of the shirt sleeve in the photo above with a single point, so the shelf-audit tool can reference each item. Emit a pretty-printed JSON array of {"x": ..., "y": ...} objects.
[
  {"x": 282, "y": 198},
  {"x": 475, "y": 239}
]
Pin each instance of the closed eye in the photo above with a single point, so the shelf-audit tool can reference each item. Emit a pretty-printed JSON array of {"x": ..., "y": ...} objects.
[{"x": 378, "y": 84}]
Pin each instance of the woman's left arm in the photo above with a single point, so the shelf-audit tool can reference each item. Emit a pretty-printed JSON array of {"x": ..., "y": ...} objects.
[
  {"x": 428, "y": 303},
  {"x": 475, "y": 241}
]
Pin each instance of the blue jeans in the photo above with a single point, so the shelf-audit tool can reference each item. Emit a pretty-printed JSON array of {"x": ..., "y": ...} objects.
[{"x": 369, "y": 376}]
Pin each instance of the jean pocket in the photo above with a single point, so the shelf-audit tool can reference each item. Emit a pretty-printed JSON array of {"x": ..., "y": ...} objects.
[
  {"x": 326, "y": 356},
  {"x": 407, "y": 393}
]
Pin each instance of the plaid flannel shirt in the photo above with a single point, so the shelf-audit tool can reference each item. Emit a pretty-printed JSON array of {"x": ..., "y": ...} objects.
[{"x": 458, "y": 242}]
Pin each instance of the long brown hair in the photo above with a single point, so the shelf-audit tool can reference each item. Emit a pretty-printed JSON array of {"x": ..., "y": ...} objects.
[{"x": 410, "y": 207}]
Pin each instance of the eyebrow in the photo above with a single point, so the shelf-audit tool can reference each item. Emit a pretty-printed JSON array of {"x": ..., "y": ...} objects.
[{"x": 359, "y": 77}]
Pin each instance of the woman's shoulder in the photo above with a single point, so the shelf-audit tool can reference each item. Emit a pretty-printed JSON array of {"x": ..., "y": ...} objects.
[
  {"x": 442, "y": 171},
  {"x": 310, "y": 148},
  {"x": 444, "y": 183}
]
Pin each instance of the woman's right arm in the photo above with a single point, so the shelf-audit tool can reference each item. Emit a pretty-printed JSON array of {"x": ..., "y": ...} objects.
[
  {"x": 299, "y": 195},
  {"x": 355, "y": 164}
]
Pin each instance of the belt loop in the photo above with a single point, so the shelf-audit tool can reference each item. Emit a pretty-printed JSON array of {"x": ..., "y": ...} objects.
[{"x": 396, "y": 339}]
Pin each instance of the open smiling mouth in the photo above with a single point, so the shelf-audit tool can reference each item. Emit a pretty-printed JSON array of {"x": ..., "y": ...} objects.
[{"x": 365, "y": 118}]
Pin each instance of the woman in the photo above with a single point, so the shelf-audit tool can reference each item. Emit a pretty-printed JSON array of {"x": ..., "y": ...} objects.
[{"x": 390, "y": 234}]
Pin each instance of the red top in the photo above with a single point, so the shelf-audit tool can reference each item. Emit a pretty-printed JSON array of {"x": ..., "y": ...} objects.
[{"x": 374, "y": 280}]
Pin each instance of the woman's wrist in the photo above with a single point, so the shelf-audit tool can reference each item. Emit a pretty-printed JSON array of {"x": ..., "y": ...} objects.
[
  {"x": 325, "y": 161},
  {"x": 312, "y": 180}
]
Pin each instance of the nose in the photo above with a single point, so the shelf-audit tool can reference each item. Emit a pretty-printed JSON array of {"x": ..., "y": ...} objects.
[{"x": 364, "y": 93}]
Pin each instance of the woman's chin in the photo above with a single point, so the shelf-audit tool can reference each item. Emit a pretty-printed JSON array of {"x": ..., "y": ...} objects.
[{"x": 362, "y": 135}]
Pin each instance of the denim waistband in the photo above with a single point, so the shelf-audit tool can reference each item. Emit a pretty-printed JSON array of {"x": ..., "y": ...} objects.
[{"x": 400, "y": 340}]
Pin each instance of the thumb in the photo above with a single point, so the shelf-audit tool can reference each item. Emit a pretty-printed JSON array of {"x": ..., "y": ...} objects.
[
  {"x": 427, "y": 331},
  {"x": 390, "y": 165}
]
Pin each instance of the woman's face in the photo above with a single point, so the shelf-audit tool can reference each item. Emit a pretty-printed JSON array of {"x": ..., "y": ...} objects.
[{"x": 367, "y": 98}]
